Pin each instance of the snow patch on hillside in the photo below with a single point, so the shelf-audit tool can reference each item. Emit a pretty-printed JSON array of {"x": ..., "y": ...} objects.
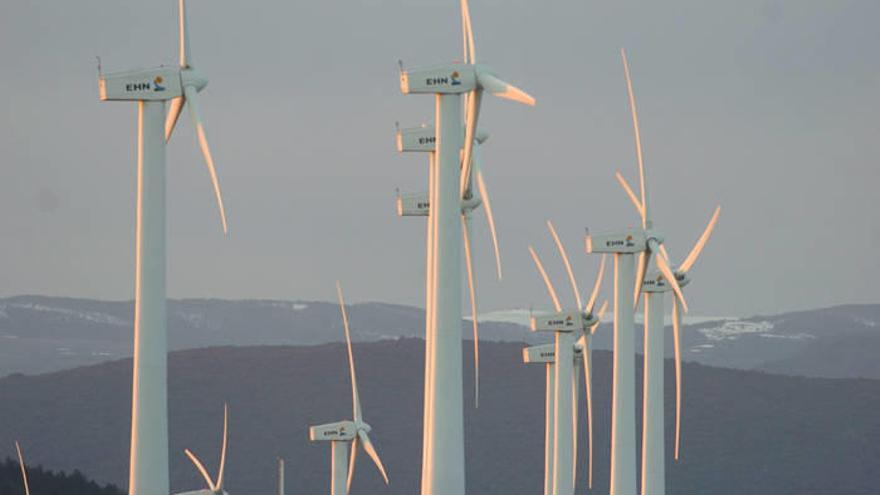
[
  {"x": 734, "y": 329},
  {"x": 794, "y": 336},
  {"x": 865, "y": 322},
  {"x": 521, "y": 317},
  {"x": 291, "y": 305},
  {"x": 92, "y": 316}
]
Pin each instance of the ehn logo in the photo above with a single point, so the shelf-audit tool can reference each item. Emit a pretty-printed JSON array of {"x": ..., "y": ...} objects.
[
  {"x": 454, "y": 79},
  {"x": 141, "y": 86},
  {"x": 156, "y": 85},
  {"x": 427, "y": 140}
]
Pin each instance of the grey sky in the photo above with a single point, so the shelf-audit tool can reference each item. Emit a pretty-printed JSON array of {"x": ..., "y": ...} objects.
[{"x": 766, "y": 107}]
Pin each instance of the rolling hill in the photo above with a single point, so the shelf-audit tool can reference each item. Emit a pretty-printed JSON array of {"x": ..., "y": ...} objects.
[{"x": 744, "y": 431}]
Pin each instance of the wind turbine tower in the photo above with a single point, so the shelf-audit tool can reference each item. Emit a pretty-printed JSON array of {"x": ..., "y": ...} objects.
[
  {"x": 443, "y": 446},
  {"x": 571, "y": 330},
  {"x": 352, "y": 432},
  {"x": 151, "y": 88},
  {"x": 422, "y": 139},
  {"x": 625, "y": 244}
]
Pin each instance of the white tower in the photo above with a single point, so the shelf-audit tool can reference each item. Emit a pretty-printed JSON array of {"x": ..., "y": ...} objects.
[
  {"x": 443, "y": 449},
  {"x": 150, "y": 88}
]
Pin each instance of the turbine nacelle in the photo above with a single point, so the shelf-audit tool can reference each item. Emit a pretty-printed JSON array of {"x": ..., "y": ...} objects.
[
  {"x": 562, "y": 321},
  {"x": 418, "y": 205},
  {"x": 545, "y": 353},
  {"x": 628, "y": 241},
  {"x": 339, "y": 431},
  {"x": 413, "y": 205},
  {"x": 156, "y": 84},
  {"x": 424, "y": 139},
  {"x": 439, "y": 79},
  {"x": 656, "y": 283}
]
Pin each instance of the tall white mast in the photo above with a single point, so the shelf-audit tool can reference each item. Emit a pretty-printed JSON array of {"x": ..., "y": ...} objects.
[
  {"x": 443, "y": 463},
  {"x": 150, "y": 88}
]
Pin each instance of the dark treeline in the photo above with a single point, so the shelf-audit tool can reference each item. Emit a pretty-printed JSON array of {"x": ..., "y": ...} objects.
[{"x": 46, "y": 482}]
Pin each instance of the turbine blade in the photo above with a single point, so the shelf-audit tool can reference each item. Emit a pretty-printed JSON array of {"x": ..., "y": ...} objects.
[
  {"x": 566, "y": 262},
  {"x": 629, "y": 192},
  {"x": 599, "y": 317},
  {"x": 547, "y": 282},
  {"x": 351, "y": 462},
  {"x": 596, "y": 287},
  {"x": 466, "y": 232},
  {"x": 192, "y": 100},
  {"x": 371, "y": 451},
  {"x": 472, "y": 101},
  {"x": 468, "y": 34},
  {"x": 24, "y": 478},
  {"x": 195, "y": 460},
  {"x": 670, "y": 278},
  {"x": 223, "y": 450},
  {"x": 490, "y": 218},
  {"x": 185, "y": 56},
  {"x": 646, "y": 219},
  {"x": 664, "y": 253},
  {"x": 470, "y": 129},
  {"x": 676, "y": 336},
  {"x": 641, "y": 271},
  {"x": 501, "y": 89},
  {"x": 698, "y": 247},
  {"x": 174, "y": 111},
  {"x": 355, "y": 397},
  {"x": 588, "y": 384}
]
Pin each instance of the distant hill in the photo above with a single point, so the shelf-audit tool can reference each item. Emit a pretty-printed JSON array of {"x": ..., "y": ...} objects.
[
  {"x": 744, "y": 431},
  {"x": 43, "y": 334},
  {"x": 44, "y": 482}
]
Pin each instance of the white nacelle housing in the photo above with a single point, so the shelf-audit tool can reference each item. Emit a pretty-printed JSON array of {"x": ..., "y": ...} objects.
[
  {"x": 418, "y": 139},
  {"x": 160, "y": 83},
  {"x": 564, "y": 321},
  {"x": 655, "y": 282},
  {"x": 413, "y": 205},
  {"x": 626, "y": 241},
  {"x": 343, "y": 430},
  {"x": 545, "y": 353},
  {"x": 423, "y": 138},
  {"x": 447, "y": 79}
]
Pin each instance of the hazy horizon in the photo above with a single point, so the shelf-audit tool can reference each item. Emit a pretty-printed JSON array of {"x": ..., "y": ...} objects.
[{"x": 766, "y": 107}]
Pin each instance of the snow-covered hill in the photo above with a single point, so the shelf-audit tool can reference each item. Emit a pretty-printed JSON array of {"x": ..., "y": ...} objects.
[{"x": 41, "y": 334}]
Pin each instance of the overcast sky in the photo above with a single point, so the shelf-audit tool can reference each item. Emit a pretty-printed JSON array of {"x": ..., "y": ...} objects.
[{"x": 766, "y": 107}]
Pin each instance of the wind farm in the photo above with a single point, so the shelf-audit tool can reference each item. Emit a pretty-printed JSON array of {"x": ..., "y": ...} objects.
[{"x": 758, "y": 375}]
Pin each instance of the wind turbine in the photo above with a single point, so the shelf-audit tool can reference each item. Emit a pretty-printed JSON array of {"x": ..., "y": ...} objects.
[
  {"x": 624, "y": 245},
  {"x": 24, "y": 477},
  {"x": 214, "y": 487},
  {"x": 343, "y": 433},
  {"x": 655, "y": 287},
  {"x": 423, "y": 139},
  {"x": 546, "y": 354},
  {"x": 570, "y": 329},
  {"x": 150, "y": 88},
  {"x": 443, "y": 446}
]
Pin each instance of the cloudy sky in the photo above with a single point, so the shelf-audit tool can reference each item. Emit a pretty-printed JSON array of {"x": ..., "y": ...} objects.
[{"x": 767, "y": 107}]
